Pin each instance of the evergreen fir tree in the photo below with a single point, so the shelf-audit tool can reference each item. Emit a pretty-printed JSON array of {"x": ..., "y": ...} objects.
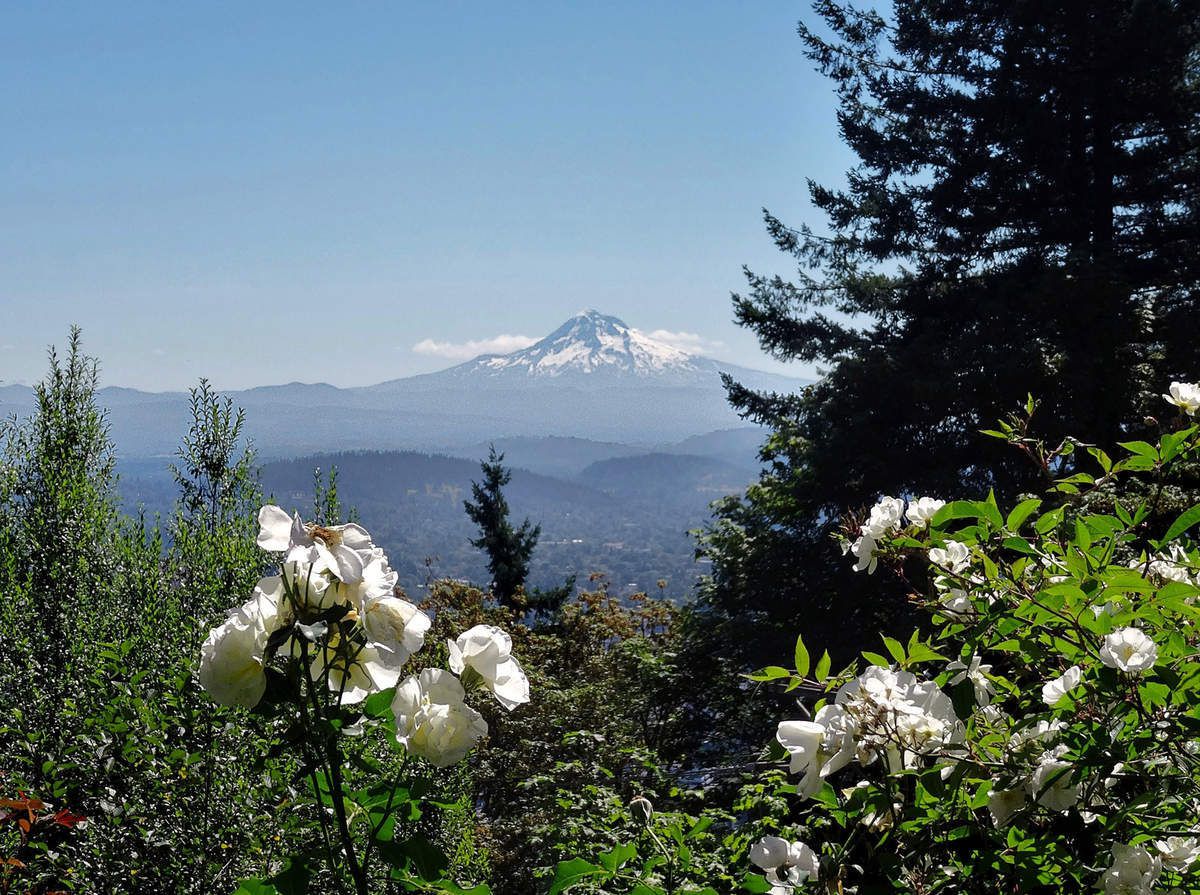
[
  {"x": 509, "y": 549},
  {"x": 1022, "y": 218}
]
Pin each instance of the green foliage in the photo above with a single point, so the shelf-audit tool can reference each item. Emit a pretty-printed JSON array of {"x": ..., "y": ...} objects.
[{"x": 99, "y": 622}]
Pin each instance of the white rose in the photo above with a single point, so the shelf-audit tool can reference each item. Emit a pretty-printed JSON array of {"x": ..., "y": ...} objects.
[
  {"x": 311, "y": 587},
  {"x": 1129, "y": 650},
  {"x": 1178, "y": 852},
  {"x": 804, "y": 859},
  {"x": 353, "y": 670},
  {"x": 341, "y": 549},
  {"x": 1052, "y": 785},
  {"x": 866, "y": 553},
  {"x": 1134, "y": 870},
  {"x": 488, "y": 651},
  {"x": 1004, "y": 803},
  {"x": 1185, "y": 396},
  {"x": 977, "y": 675},
  {"x": 923, "y": 509},
  {"x": 770, "y": 852},
  {"x": 954, "y": 557},
  {"x": 231, "y": 661},
  {"x": 432, "y": 719},
  {"x": 1056, "y": 689},
  {"x": 885, "y": 517},
  {"x": 817, "y": 748},
  {"x": 397, "y": 624}
]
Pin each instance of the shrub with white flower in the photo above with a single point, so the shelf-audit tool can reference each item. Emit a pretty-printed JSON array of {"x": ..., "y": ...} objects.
[
  {"x": 1043, "y": 735},
  {"x": 321, "y": 648}
]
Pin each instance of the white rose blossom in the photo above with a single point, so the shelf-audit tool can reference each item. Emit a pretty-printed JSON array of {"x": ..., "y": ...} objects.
[
  {"x": 786, "y": 864},
  {"x": 360, "y": 655},
  {"x": 977, "y": 674},
  {"x": 1004, "y": 803},
  {"x": 923, "y": 509},
  {"x": 1185, "y": 396},
  {"x": 354, "y": 671},
  {"x": 866, "y": 554},
  {"x": 1174, "y": 565},
  {"x": 1134, "y": 871},
  {"x": 1056, "y": 689},
  {"x": 770, "y": 852},
  {"x": 231, "y": 660},
  {"x": 341, "y": 549},
  {"x": 954, "y": 557},
  {"x": 433, "y": 719},
  {"x": 487, "y": 650},
  {"x": 885, "y": 517},
  {"x": 1178, "y": 852},
  {"x": 817, "y": 748},
  {"x": 1053, "y": 783},
  {"x": 1129, "y": 650}
]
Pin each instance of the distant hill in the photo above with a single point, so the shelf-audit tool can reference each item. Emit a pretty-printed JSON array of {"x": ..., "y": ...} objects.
[{"x": 656, "y": 479}]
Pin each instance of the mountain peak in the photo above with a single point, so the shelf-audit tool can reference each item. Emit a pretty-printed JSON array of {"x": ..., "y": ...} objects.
[{"x": 591, "y": 342}]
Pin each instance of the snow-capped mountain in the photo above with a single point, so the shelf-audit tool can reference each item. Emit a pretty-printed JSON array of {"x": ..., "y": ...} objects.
[
  {"x": 594, "y": 377},
  {"x": 591, "y": 342},
  {"x": 589, "y": 349}
]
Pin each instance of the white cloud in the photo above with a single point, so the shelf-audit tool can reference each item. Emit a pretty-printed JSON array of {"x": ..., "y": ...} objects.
[
  {"x": 501, "y": 344},
  {"x": 693, "y": 343}
]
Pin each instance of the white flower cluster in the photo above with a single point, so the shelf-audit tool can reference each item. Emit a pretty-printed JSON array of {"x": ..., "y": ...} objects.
[
  {"x": 1048, "y": 779},
  {"x": 1174, "y": 565},
  {"x": 886, "y": 518},
  {"x": 787, "y": 864},
  {"x": 883, "y": 713},
  {"x": 1135, "y": 868},
  {"x": 335, "y": 601}
]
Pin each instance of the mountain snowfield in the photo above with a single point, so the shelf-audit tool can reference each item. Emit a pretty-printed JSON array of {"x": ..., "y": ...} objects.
[
  {"x": 591, "y": 342},
  {"x": 594, "y": 377}
]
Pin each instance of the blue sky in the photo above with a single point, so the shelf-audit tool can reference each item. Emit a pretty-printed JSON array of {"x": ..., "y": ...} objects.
[{"x": 261, "y": 193}]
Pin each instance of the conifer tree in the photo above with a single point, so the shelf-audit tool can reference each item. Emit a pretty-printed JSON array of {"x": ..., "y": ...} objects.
[
  {"x": 508, "y": 549},
  {"x": 1021, "y": 218}
]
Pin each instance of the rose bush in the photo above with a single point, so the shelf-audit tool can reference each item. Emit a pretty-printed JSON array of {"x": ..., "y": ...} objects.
[
  {"x": 1041, "y": 734},
  {"x": 321, "y": 648},
  {"x": 1043, "y": 738}
]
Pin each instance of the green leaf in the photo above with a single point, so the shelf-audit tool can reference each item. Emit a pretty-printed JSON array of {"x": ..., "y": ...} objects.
[
  {"x": 419, "y": 853},
  {"x": 572, "y": 872},
  {"x": 1049, "y": 521},
  {"x": 1021, "y": 512},
  {"x": 379, "y": 705},
  {"x": 876, "y": 659},
  {"x": 617, "y": 856},
  {"x": 895, "y": 647},
  {"x": 959, "y": 509},
  {"x": 1140, "y": 448},
  {"x": 923, "y": 652},
  {"x": 823, "y": 666},
  {"x": 802, "y": 660},
  {"x": 1186, "y": 520},
  {"x": 293, "y": 879},
  {"x": 255, "y": 887},
  {"x": 752, "y": 882},
  {"x": 770, "y": 673}
]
